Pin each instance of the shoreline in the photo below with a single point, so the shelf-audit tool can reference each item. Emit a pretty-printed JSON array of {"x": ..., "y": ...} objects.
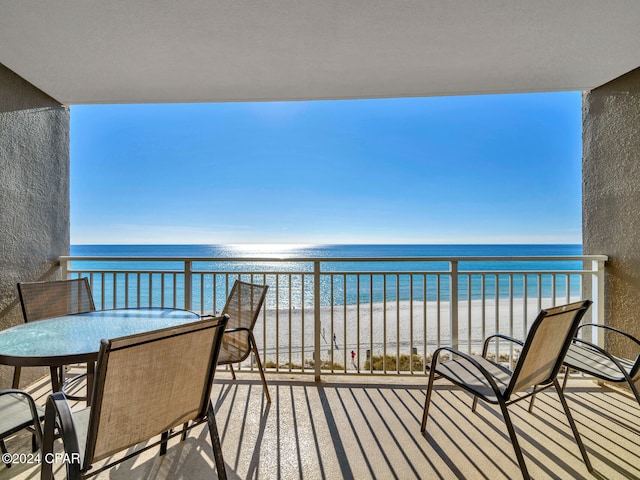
[{"x": 391, "y": 328}]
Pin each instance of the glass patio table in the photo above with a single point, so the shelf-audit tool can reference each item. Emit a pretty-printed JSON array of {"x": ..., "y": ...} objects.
[{"x": 60, "y": 341}]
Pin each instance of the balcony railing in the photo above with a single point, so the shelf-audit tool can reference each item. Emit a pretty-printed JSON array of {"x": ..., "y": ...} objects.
[{"x": 370, "y": 316}]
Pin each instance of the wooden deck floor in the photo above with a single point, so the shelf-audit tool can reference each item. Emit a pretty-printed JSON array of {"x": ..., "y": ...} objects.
[{"x": 360, "y": 427}]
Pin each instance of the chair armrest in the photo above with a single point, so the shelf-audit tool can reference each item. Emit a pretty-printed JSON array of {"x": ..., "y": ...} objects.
[
  {"x": 58, "y": 414},
  {"x": 498, "y": 335},
  {"x": 611, "y": 329},
  {"x": 636, "y": 363}
]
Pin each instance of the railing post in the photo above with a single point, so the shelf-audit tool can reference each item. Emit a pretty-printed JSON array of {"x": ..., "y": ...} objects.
[
  {"x": 597, "y": 294},
  {"x": 187, "y": 285},
  {"x": 316, "y": 320},
  {"x": 453, "y": 307},
  {"x": 64, "y": 268}
]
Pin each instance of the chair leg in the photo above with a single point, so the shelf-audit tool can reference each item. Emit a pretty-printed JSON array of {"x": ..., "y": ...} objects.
[
  {"x": 5, "y": 456},
  {"x": 514, "y": 440},
  {"x": 475, "y": 403},
  {"x": 427, "y": 401},
  {"x": 634, "y": 389},
  {"x": 215, "y": 443},
  {"x": 566, "y": 377},
  {"x": 233, "y": 373},
  {"x": 533, "y": 397},
  {"x": 254, "y": 348},
  {"x": 164, "y": 437},
  {"x": 572, "y": 423},
  {"x": 56, "y": 379},
  {"x": 16, "y": 378},
  {"x": 34, "y": 443},
  {"x": 632, "y": 385}
]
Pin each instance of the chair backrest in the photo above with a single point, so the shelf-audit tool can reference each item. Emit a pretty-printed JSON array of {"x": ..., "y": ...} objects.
[
  {"x": 243, "y": 307},
  {"x": 546, "y": 346},
  {"x": 41, "y": 300},
  {"x": 149, "y": 383}
]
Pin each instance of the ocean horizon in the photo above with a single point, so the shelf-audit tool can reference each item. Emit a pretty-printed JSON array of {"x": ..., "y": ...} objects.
[
  {"x": 325, "y": 250},
  {"x": 382, "y": 281}
]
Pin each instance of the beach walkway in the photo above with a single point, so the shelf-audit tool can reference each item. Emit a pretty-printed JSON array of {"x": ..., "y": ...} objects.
[{"x": 368, "y": 427}]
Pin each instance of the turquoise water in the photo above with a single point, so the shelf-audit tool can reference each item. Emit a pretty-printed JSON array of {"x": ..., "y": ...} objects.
[
  {"x": 329, "y": 251},
  {"x": 347, "y": 288}
]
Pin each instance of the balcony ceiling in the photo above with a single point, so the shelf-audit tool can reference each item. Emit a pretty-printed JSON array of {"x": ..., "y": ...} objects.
[{"x": 158, "y": 51}]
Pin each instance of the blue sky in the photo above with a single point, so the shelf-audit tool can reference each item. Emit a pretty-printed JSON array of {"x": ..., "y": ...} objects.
[{"x": 469, "y": 169}]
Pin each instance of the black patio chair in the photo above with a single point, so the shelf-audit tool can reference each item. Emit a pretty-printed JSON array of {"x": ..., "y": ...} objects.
[
  {"x": 586, "y": 357},
  {"x": 243, "y": 307},
  {"x": 17, "y": 412},
  {"x": 542, "y": 355},
  {"x": 145, "y": 386},
  {"x": 593, "y": 360}
]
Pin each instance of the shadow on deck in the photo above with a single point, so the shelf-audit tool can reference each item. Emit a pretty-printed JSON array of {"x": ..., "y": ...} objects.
[{"x": 357, "y": 427}]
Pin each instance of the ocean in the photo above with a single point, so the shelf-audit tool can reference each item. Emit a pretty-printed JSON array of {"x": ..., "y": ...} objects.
[
  {"x": 333, "y": 251},
  {"x": 352, "y": 288}
]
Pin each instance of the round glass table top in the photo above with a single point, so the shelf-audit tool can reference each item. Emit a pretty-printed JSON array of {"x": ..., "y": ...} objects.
[{"x": 76, "y": 338}]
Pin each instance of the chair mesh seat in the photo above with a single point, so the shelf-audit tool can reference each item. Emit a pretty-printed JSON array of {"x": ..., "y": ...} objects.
[
  {"x": 591, "y": 361},
  {"x": 15, "y": 414},
  {"x": 462, "y": 372}
]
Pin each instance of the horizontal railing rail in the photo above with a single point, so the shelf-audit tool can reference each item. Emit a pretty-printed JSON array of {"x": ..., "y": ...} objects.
[{"x": 371, "y": 316}]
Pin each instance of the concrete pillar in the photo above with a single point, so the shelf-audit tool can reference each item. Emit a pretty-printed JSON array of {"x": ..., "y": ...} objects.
[
  {"x": 34, "y": 195},
  {"x": 611, "y": 196}
]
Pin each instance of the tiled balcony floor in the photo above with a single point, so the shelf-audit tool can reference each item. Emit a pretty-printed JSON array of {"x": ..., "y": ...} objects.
[{"x": 361, "y": 427}]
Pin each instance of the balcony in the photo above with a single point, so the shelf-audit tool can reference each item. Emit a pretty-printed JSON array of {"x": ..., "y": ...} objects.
[
  {"x": 360, "y": 418},
  {"x": 369, "y": 427}
]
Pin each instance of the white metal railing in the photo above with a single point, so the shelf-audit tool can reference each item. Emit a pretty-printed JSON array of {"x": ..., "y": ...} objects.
[{"x": 358, "y": 315}]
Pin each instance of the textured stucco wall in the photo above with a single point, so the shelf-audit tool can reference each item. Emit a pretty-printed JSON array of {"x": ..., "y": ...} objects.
[
  {"x": 611, "y": 196},
  {"x": 34, "y": 195}
]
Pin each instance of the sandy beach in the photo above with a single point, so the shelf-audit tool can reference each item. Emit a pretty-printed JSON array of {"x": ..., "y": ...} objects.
[{"x": 389, "y": 328}]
